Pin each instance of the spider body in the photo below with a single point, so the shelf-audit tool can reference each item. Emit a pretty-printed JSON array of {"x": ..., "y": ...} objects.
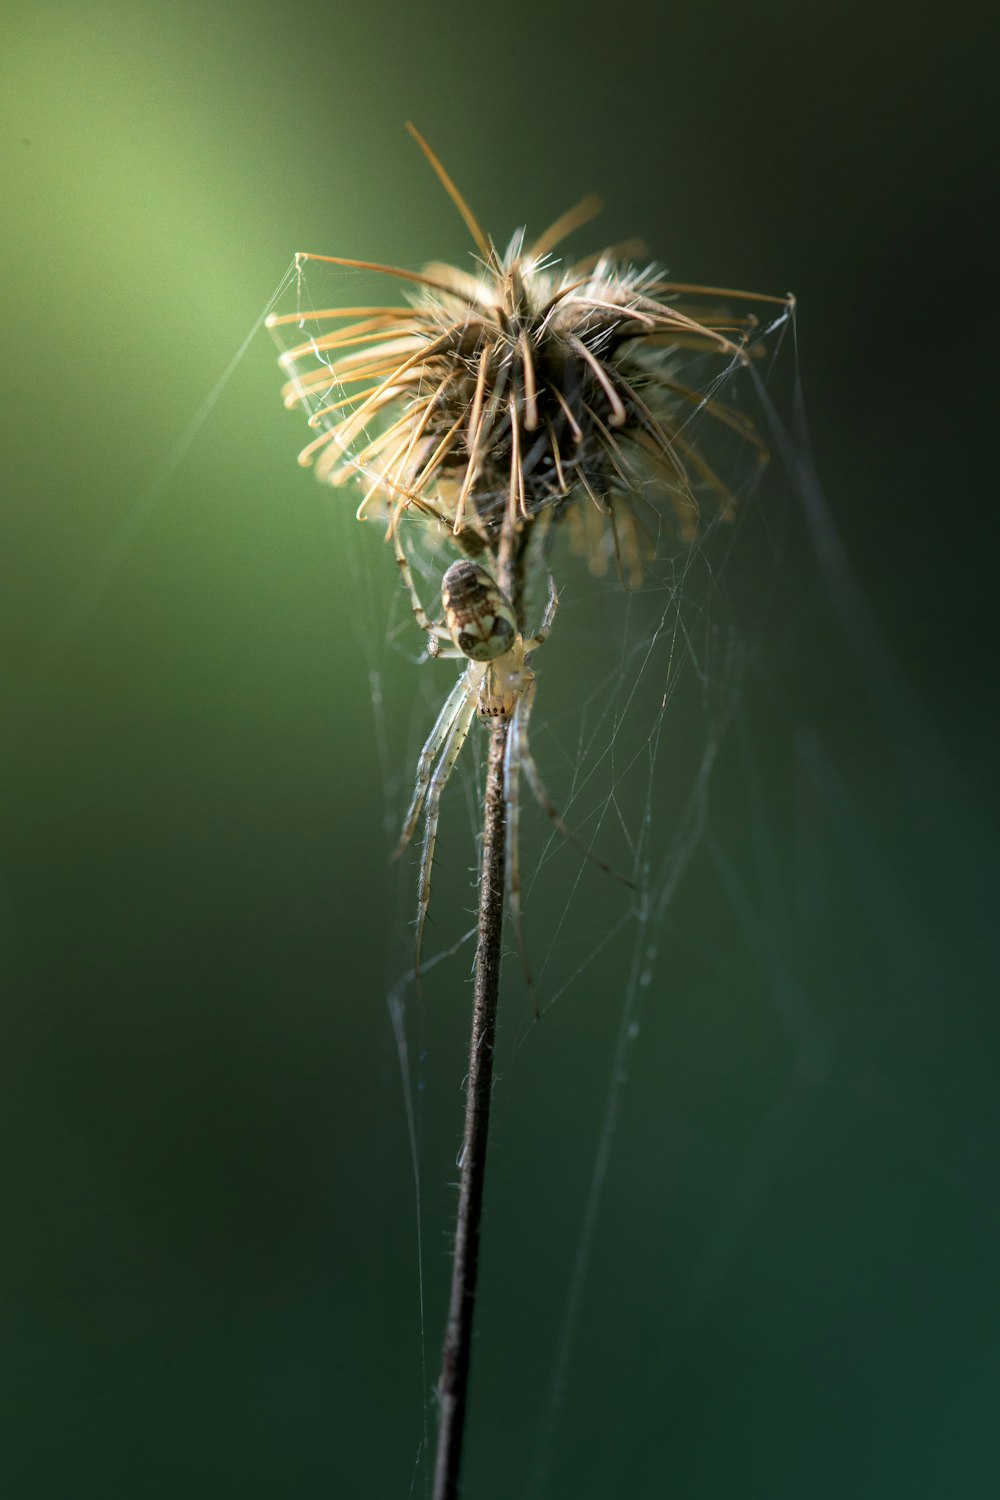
[
  {"x": 481, "y": 622},
  {"x": 479, "y": 616},
  {"x": 497, "y": 683}
]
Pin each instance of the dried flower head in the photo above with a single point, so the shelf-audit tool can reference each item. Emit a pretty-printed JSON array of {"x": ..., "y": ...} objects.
[{"x": 522, "y": 390}]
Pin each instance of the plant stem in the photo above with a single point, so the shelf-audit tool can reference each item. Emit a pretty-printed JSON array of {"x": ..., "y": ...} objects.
[
  {"x": 456, "y": 1356},
  {"x": 453, "y": 1384}
]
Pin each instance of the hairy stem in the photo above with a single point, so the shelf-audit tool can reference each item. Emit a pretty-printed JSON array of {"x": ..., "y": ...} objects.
[{"x": 454, "y": 1381}]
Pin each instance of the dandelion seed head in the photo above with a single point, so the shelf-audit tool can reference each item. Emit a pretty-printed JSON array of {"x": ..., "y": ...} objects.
[{"x": 522, "y": 389}]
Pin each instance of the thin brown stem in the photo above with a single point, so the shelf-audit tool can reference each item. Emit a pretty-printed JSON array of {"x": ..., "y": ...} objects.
[{"x": 455, "y": 1359}]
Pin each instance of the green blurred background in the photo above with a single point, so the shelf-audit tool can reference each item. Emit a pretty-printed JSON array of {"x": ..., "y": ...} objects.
[{"x": 209, "y": 1246}]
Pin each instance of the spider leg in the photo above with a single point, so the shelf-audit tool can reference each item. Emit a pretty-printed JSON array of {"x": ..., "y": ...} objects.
[
  {"x": 546, "y": 625},
  {"x": 434, "y": 631},
  {"x": 512, "y": 803},
  {"x": 456, "y": 737},
  {"x": 527, "y": 764},
  {"x": 443, "y": 726}
]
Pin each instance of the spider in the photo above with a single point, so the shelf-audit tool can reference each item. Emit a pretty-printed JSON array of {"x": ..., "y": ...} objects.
[{"x": 497, "y": 683}]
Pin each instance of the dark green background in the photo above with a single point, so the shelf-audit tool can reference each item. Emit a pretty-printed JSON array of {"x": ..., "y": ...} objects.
[{"x": 209, "y": 1262}]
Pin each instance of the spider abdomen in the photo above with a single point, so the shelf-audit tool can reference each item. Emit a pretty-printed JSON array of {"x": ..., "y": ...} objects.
[{"x": 479, "y": 616}]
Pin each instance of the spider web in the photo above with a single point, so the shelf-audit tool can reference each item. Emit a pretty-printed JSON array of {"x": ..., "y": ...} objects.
[
  {"x": 647, "y": 1131},
  {"x": 641, "y": 693}
]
